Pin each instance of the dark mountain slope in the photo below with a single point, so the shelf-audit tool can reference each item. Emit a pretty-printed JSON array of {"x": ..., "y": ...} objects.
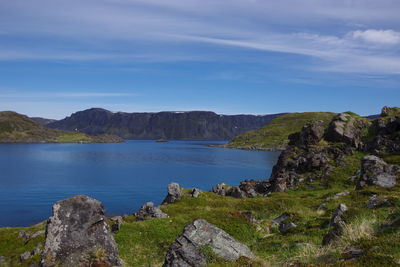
[{"x": 196, "y": 125}]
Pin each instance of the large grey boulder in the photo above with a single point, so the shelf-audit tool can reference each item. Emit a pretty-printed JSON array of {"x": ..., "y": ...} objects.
[
  {"x": 186, "y": 251},
  {"x": 375, "y": 171},
  {"x": 148, "y": 211},
  {"x": 337, "y": 225},
  {"x": 174, "y": 193},
  {"x": 346, "y": 128},
  {"x": 77, "y": 234},
  {"x": 310, "y": 134}
]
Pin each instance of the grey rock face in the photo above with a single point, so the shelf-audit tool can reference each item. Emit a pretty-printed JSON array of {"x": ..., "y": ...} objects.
[
  {"x": 337, "y": 224},
  {"x": 195, "y": 192},
  {"x": 148, "y": 211},
  {"x": 346, "y": 128},
  {"x": 375, "y": 171},
  {"x": 174, "y": 193},
  {"x": 77, "y": 234},
  {"x": 187, "y": 249},
  {"x": 310, "y": 134}
]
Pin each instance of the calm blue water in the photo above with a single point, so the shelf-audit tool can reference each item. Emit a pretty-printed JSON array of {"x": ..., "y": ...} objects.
[{"x": 122, "y": 176}]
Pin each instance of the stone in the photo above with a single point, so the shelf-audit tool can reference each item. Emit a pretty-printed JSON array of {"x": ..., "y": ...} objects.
[
  {"x": 375, "y": 202},
  {"x": 38, "y": 233},
  {"x": 310, "y": 134},
  {"x": 77, "y": 234},
  {"x": 117, "y": 222},
  {"x": 337, "y": 224},
  {"x": 25, "y": 256},
  {"x": 281, "y": 218},
  {"x": 148, "y": 211},
  {"x": 285, "y": 227},
  {"x": 174, "y": 193},
  {"x": 346, "y": 128},
  {"x": 220, "y": 189},
  {"x": 186, "y": 251},
  {"x": 375, "y": 171},
  {"x": 3, "y": 261},
  {"x": 24, "y": 235},
  {"x": 195, "y": 192},
  {"x": 352, "y": 253}
]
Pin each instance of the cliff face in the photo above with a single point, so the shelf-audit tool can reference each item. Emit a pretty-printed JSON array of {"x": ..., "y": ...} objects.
[{"x": 196, "y": 125}]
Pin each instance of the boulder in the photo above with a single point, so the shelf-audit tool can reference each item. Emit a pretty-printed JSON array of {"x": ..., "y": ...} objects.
[
  {"x": 77, "y": 234},
  {"x": 147, "y": 211},
  {"x": 375, "y": 171},
  {"x": 281, "y": 218},
  {"x": 116, "y": 223},
  {"x": 24, "y": 235},
  {"x": 186, "y": 251},
  {"x": 174, "y": 193},
  {"x": 220, "y": 189},
  {"x": 310, "y": 134},
  {"x": 285, "y": 227},
  {"x": 3, "y": 261},
  {"x": 346, "y": 128},
  {"x": 25, "y": 256},
  {"x": 195, "y": 192},
  {"x": 375, "y": 202},
  {"x": 337, "y": 224}
]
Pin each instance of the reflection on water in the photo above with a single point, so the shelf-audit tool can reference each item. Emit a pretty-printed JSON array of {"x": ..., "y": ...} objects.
[{"x": 122, "y": 176}]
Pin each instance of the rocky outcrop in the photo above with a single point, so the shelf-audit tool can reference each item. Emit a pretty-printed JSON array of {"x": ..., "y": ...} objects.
[
  {"x": 376, "y": 202},
  {"x": 246, "y": 189},
  {"x": 195, "y": 192},
  {"x": 310, "y": 134},
  {"x": 375, "y": 171},
  {"x": 337, "y": 225},
  {"x": 77, "y": 234},
  {"x": 149, "y": 211},
  {"x": 186, "y": 251},
  {"x": 116, "y": 223},
  {"x": 173, "y": 193},
  {"x": 346, "y": 128}
]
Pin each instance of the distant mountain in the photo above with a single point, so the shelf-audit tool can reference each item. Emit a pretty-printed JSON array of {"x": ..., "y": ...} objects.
[
  {"x": 17, "y": 128},
  {"x": 373, "y": 116},
  {"x": 193, "y": 125},
  {"x": 274, "y": 136},
  {"x": 42, "y": 121}
]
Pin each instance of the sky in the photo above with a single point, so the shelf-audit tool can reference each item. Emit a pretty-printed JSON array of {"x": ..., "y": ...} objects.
[{"x": 227, "y": 56}]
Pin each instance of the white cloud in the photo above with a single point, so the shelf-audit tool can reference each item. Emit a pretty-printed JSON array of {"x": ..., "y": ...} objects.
[
  {"x": 65, "y": 95},
  {"x": 377, "y": 36}
]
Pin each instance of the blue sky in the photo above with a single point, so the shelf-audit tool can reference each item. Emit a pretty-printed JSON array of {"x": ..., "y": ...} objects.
[{"x": 227, "y": 56}]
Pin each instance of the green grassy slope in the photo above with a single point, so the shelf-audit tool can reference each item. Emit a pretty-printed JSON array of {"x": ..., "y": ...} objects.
[
  {"x": 17, "y": 128},
  {"x": 274, "y": 135}
]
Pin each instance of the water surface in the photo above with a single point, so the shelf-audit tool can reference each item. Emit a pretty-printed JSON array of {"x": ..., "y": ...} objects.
[{"x": 122, "y": 176}]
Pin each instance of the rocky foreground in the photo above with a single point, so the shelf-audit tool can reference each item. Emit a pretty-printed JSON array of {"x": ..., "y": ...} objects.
[{"x": 333, "y": 199}]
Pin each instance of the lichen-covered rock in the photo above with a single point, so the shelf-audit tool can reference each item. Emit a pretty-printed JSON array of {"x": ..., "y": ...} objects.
[
  {"x": 186, "y": 251},
  {"x": 174, "y": 193},
  {"x": 337, "y": 224},
  {"x": 375, "y": 202},
  {"x": 195, "y": 192},
  {"x": 77, "y": 234},
  {"x": 148, "y": 211},
  {"x": 116, "y": 223},
  {"x": 25, "y": 256},
  {"x": 346, "y": 128},
  {"x": 386, "y": 139},
  {"x": 310, "y": 134},
  {"x": 375, "y": 171}
]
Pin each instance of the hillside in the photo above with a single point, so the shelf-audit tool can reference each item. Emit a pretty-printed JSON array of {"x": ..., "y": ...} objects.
[
  {"x": 274, "y": 135},
  {"x": 17, "y": 128},
  {"x": 332, "y": 200},
  {"x": 194, "y": 125}
]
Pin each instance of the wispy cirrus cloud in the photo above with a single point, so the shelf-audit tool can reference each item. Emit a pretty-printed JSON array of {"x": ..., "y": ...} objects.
[
  {"x": 65, "y": 95},
  {"x": 356, "y": 37}
]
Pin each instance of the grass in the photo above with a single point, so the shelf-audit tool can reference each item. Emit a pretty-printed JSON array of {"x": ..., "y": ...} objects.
[{"x": 275, "y": 134}]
